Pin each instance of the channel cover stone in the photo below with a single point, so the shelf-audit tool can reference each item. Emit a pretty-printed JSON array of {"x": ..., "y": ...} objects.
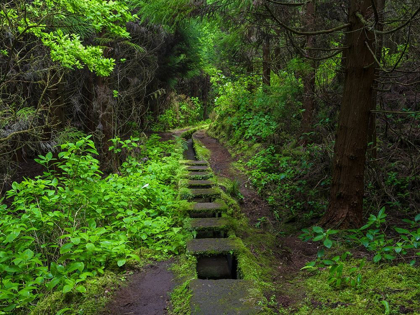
[
  {"x": 212, "y": 246},
  {"x": 198, "y": 168},
  {"x": 223, "y": 297},
  {"x": 199, "y": 175},
  {"x": 194, "y": 163},
  {"x": 205, "y": 192},
  {"x": 200, "y": 183},
  {"x": 209, "y": 223}
]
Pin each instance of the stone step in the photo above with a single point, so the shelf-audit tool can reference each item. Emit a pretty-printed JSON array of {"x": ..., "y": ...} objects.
[
  {"x": 206, "y": 209},
  {"x": 212, "y": 246},
  {"x": 209, "y": 223},
  {"x": 228, "y": 297},
  {"x": 198, "y": 168},
  {"x": 195, "y": 163},
  {"x": 200, "y": 183},
  {"x": 199, "y": 175}
]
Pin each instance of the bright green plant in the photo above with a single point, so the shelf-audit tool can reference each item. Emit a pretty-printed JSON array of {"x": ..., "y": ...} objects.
[{"x": 71, "y": 224}]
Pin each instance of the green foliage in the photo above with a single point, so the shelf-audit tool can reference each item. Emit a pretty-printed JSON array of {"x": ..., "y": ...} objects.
[
  {"x": 183, "y": 111},
  {"x": 373, "y": 237},
  {"x": 384, "y": 290},
  {"x": 259, "y": 117},
  {"x": 71, "y": 223},
  {"x": 53, "y": 22},
  {"x": 282, "y": 178}
]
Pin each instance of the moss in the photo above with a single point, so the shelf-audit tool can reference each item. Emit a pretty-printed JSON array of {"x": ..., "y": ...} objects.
[
  {"x": 201, "y": 151},
  {"x": 188, "y": 134},
  {"x": 399, "y": 286},
  {"x": 184, "y": 270},
  {"x": 185, "y": 194}
]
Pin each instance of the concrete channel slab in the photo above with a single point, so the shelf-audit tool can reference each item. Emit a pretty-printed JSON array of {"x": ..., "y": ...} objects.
[
  {"x": 207, "y": 209},
  {"x": 222, "y": 297},
  {"x": 212, "y": 246},
  {"x": 195, "y": 163},
  {"x": 199, "y": 175},
  {"x": 205, "y": 192},
  {"x": 209, "y": 223},
  {"x": 198, "y": 168},
  {"x": 200, "y": 183}
]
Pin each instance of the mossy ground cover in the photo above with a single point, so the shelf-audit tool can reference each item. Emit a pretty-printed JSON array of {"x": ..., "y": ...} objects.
[{"x": 385, "y": 288}]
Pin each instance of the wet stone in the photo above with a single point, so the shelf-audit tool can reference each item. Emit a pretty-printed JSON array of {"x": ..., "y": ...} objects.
[
  {"x": 200, "y": 183},
  {"x": 211, "y": 246},
  {"x": 199, "y": 175},
  {"x": 209, "y": 223},
  {"x": 198, "y": 168},
  {"x": 228, "y": 297},
  {"x": 205, "y": 192},
  {"x": 195, "y": 163}
]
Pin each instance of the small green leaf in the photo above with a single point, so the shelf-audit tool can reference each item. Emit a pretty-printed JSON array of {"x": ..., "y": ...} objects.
[
  {"x": 67, "y": 288},
  {"x": 328, "y": 243},
  {"x": 12, "y": 236},
  {"x": 81, "y": 289},
  {"x": 377, "y": 258},
  {"x": 318, "y": 229},
  {"x": 121, "y": 262}
]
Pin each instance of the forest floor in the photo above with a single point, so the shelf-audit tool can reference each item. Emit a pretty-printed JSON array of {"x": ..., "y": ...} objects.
[
  {"x": 290, "y": 252},
  {"x": 147, "y": 292}
]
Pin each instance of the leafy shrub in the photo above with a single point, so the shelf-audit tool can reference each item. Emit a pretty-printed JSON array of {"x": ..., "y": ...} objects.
[
  {"x": 183, "y": 111},
  {"x": 71, "y": 223}
]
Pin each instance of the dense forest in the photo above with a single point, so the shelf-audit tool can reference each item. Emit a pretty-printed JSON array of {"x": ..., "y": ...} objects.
[{"x": 315, "y": 108}]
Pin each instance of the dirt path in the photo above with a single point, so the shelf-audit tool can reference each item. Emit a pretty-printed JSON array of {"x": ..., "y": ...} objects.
[
  {"x": 147, "y": 292},
  {"x": 253, "y": 206}
]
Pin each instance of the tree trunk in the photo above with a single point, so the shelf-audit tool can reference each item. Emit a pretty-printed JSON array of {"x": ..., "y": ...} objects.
[
  {"x": 345, "y": 209},
  {"x": 266, "y": 62},
  {"x": 309, "y": 77},
  {"x": 378, "y": 46}
]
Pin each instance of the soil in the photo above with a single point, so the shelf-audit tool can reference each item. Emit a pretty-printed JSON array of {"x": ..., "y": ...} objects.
[
  {"x": 252, "y": 205},
  {"x": 147, "y": 292}
]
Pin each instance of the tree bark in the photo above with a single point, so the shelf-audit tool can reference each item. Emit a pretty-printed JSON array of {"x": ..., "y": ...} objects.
[
  {"x": 309, "y": 77},
  {"x": 345, "y": 209}
]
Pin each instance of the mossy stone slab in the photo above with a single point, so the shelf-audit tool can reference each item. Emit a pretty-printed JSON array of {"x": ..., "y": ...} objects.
[
  {"x": 206, "y": 209},
  {"x": 199, "y": 175},
  {"x": 200, "y": 183},
  {"x": 198, "y": 168},
  {"x": 194, "y": 163},
  {"x": 209, "y": 223},
  {"x": 212, "y": 246},
  {"x": 204, "y": 192},
  {"x": 222, "y": 297},
  {"x": 218, "y": 205}
]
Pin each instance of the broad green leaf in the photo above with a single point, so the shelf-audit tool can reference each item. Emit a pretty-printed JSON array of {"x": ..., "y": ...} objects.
[
  {"x": 121, "y": 262},
  {"x": 318, "y": 229},
  {"x": 377, "y": 258},
  {"x": 12, "y": 236},
  {"x": 328, "y": 243},
  {"x": 67, "y": 288}
]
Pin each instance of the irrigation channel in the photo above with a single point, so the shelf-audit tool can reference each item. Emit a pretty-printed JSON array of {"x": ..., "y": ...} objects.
[{"x": 219, "y": 287}]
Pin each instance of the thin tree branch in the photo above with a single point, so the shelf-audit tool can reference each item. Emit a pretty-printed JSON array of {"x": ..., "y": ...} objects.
[{"x": 306, "y": 33}]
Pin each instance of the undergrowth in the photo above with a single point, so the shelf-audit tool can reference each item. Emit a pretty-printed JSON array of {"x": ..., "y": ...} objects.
[{"x": 71, "y": 224}]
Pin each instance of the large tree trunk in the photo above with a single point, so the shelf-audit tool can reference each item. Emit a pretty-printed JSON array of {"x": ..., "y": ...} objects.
[
  {"x": 345, "y": 209},
  {"x": 309, "y": 77}
]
